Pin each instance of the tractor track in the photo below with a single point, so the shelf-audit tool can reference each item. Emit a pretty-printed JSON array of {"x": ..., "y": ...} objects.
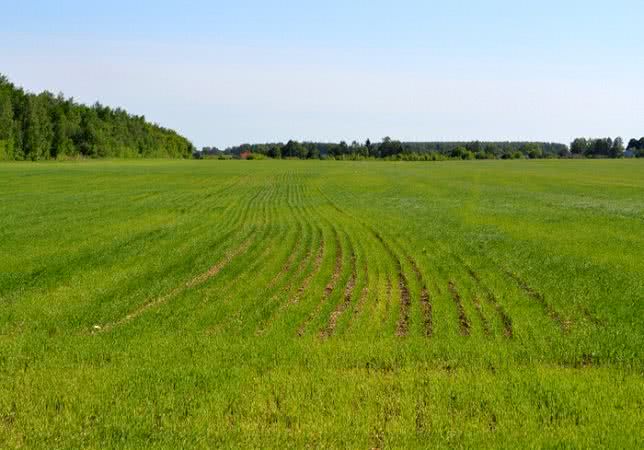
[
  {"x": 328, "y": 289},
  {"x": 344, "y": 304},
  {"x": 464, "y": 323}
]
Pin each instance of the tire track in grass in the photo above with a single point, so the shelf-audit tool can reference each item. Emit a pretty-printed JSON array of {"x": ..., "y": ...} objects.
[
  {"x": 301, "y": 268},
  {"x": 242, "y": 281},
  {"x": 489, "y": 296},
  {"x": 563, "y": 324},
  {"x": 479, "y": 311},
  {"x": 196, "y": 280},
  {"x": 591, "y": 317},
  {"x": 389, "y": 290},
  {"x": 317, "y": 264},
  {"x": 293, "y": 298},
  {"x": 293, "y": 201},
  {"x": 286, "y": 267},
  {"x": 402, "y": 328},
  {"x": 328, "y": 289},
  {"x": 253, "y": 309},
  {"x": 364, "y": 292},
  {"x": 405, "y": 304},
  {"x": 464, "y": 323},
  {"x": 344, "y": 303},
  {"x": 425, "y": 300},
  {"x": 299, "y": 271}
]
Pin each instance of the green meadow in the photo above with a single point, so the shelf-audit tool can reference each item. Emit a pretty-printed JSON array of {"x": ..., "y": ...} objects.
[{"x": 159, "y": 304}]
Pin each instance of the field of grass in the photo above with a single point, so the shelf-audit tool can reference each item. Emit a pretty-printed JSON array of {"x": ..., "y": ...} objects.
[{"x": 334, "y": 304}]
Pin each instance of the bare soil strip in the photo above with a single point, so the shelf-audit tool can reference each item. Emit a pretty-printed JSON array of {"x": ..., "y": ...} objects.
[
  {"x": 565, "y": 325},
  {"x": 328, "y": 288},
  {"x": 199, "y": 279},
  {"x": 463, "y": 321},
  {"x": 343, "y": 305}
]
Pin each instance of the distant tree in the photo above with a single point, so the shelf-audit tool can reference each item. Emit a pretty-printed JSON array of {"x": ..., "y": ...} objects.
[
  {"x": 579, "y": 146},
  {"x": 275, "y": 151},
  {"x": 532, "y": 150},
  {"x": 459, "y": 152},
  {"x": 564, "y": 153},
  {"x": 617, "y": 149},
  {"x": 389, "y": 147},
  {"x": 6, "y": 125},
  {"x": 38, "y": 129},
  {"x": 46, "y": 126},
  {"x": 490, "y": 150},
  {"x": 294, "y": 149},
  {"x": 474, "y": 146}
]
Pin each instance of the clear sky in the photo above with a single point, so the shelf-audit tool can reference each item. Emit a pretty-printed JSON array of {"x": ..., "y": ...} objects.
[{"x": 230, "y": 72}]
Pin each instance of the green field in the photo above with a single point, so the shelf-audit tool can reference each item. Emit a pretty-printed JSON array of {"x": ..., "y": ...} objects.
[{"x": 327, "y": 304}]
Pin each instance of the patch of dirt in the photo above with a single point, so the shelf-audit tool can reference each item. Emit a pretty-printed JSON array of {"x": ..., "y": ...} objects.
[{"x": 463, "y": 321}]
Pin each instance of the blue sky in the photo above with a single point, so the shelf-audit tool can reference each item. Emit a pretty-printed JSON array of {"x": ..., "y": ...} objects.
[{"x": 224, "y": 73}]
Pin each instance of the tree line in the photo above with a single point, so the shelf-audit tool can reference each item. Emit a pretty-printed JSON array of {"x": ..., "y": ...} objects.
[
  {"x": 43, "y": 126},
  {"x": 390, "y": 149}
]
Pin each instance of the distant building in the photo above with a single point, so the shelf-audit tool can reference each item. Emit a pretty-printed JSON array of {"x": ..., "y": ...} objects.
[
  {"x": 629, "y": 154},
  {"x": 245, "y": 154}
]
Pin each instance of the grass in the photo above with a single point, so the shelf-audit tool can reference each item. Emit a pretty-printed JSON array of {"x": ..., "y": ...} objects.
[{"x": 269, "y": 304}]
